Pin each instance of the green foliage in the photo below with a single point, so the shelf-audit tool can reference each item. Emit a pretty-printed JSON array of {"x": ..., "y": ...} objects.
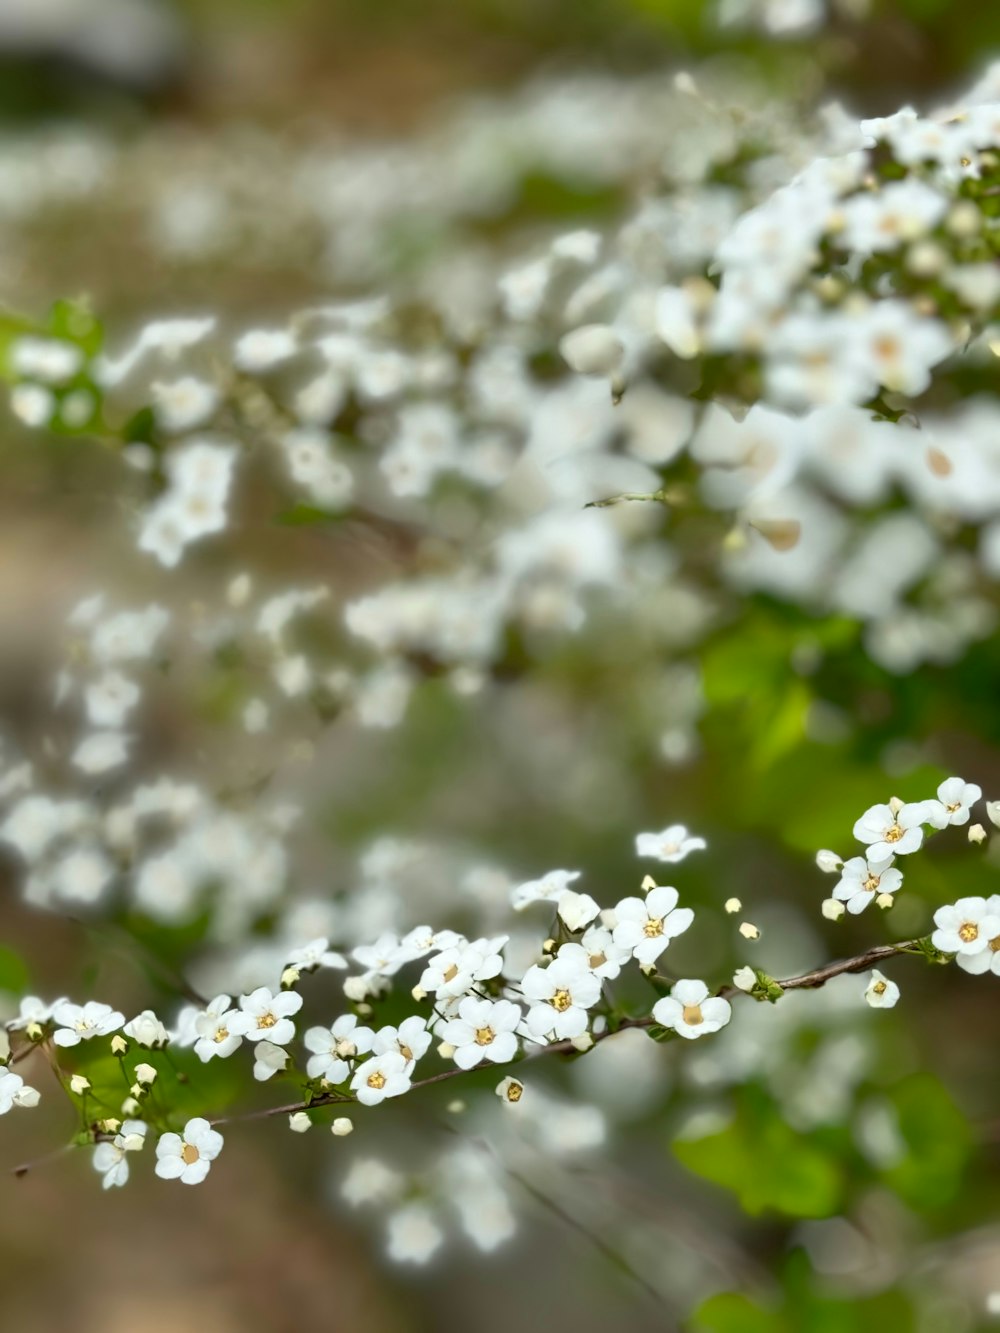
[
  {"x": 766, "y": 1163},
  {"x": 938, "y": 1140},
  {"x": 13, "y": 972}
]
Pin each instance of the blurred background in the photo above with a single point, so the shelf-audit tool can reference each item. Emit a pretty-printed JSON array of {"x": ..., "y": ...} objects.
[{"x": 251, "y": 156}]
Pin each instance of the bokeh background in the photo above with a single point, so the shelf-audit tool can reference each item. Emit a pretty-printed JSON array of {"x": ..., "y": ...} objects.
[{"x": 250, "y": 156}]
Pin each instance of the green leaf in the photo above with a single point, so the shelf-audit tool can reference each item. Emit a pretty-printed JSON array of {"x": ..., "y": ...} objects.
[
  {"x": 13, "y": 973},
  {"x": 765, "y": 1163},
  {"x": 938, "y": 1139}
]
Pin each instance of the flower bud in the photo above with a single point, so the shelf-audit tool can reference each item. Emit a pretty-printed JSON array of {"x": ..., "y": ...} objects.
[
  {"x": 884, "y": 900},
  {"x": 745, "y": 978},
  {"x": 145, "y": 1073},
  {"x": 749, "y": 931},
  {"x": 583, "y": 1042},
  {"x": 118, "y": 1044},
  {"x": 79, "y": 1083},
  {"x": 289, "y": 977},
  {"x": 342, "y": 1126},
  {"x": 829, "y": 862},
  {"x": 977, "y": 833},
  {"x": 593, "y": 349},
  {"x": 733, "y": 905},
  {"x": 299, "y": 1122},
  {"x": 832, "y": 909}
]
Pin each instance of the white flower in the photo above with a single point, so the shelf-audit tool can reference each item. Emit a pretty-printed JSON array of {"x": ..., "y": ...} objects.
[
  {"x": 966, "y": 927},
  {"x": 455, "y": 971},
  {"x": 862, "y": 880},
  {"x": 510, "y": 1091},
  {"x": 317, "y": 953},
  {"x": 988, "y": 959},
  {"x": 15, "y": 1092},
  {"x": 891, "y": 834},
  {"x": 183, "y": 404},
  {"x": 32, "y": 1010},
  {"x": 110, "y": 1158},
  {"x": 147, "y": 1029},
  {"x": 49, "y": 359},
  {"x": 577, "y": 909},
  {"x": 881, "y": 993},
  {"x": 101, "y": 751},
  {"x": 958, "y": 797},
  {"x": 549, "y": 888},
  {"x": 214, "y": 1030},
  {"x": 411, "y": 1039},
  {"x": 335, "y": 1045},
  {"x": 691, "y": 1010},
  {"x": 829, "y": 862},
  {"x": 188, "y": 1157},
  {"x": 413, "y": 1235},
  {"x": 110, "y": 698},
  {"x": 647, "y": 925},
  {"x": 32, "y": 404},
  {"x": 594, "y": 349},
  {"x": 266, "y": 1016},
  {"x": 672, "y": 844},
  {"x": 76, "y": 1023},
  {"x": 560, "y": 996},
  {"x": 604, "y": 957},
  {"x": 268, "y": 1060},
  {"x": 263, "y": 349},
  {"x": 484, "y": 1030},
  {"x": 383, "y": 1076}
]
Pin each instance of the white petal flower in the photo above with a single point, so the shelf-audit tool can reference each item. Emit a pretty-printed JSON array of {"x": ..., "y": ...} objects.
[
  {"x": 382, "y": 1076},
  {"x": 577, "y": 910},
  {"x": 263, "y": 1016},
  {"x": 548, "y": 889},
  {"x": 967, "y": 926},
  {"x": 560, "y": 996},
  {"x": 76, "y": 1023},
  {"x": 672, "y": 844},
  {"x": 691, "y": 1010},
  {"x": 188, "y": 1157},
  {"x": 958, "y": 797},
  {"x": 647, "y": 925},
  {"x": 862, "y": 880},
  {"x": 881, "y": 993},
  {"x": 484, "y": 1030},
  {"x": 15, "y": 1092},
  {"x": 111, "y": 1157},
  {"x": 891, "y": 833}
]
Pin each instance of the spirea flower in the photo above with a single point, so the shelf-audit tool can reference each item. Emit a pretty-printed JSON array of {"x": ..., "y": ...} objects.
[
  {"x": 647, "y": 925},
  {"x": 483, "y": 1030},
  {"x": 967, "y": 926},
  {"x": 862, "y": 880},
  {"x": 881, "y": 993},
  {"x": 671, "y": 845},
  {"x": 263, "y": 1016},
  {"x": 382, "y": 1076},
  {"x": 188, "y": 1157},
  {"x": 76, "y": 1023},
  {"x": 111, "y": 1157},
  {"x": 560, "y": 996},
  {"x": 691, "y": 1010}
]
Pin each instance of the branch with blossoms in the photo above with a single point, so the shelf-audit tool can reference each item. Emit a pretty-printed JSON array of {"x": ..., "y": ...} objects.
[{"x": 483, "y": 1015}]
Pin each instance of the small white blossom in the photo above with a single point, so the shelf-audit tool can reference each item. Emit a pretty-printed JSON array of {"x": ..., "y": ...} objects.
[
  {"x": 215, "y": 1034},
  {"x": 881, "y": 993},
  {"x": 15, "y": 1092},
  {"x": 891, "y": 833},
  {"x": 188, "y": 1157},
  {"x": 549, "y": 888},
  {"x": 577, "y": 910},
  {"x": 268, "y": 1060},
  {"x": 967, "y": 926},
  {"x": 76, "y": 1023},
  {"x": 672, "y": 844},
  {"x": 863, "y": 880},
  {"x": 691, "y": 1010},
  {"x": 147, "y": 1029},
  {"x": 264, "y": 1016},
  {"x": 484, "y": 1030},
  {"x": 383, "y": 1076},
  {"x": 958, "y": 797},
  {"x": 647, "y": 925},
  {"x": 560, "y": 996},
  {"x": 111, "y": 1157}
]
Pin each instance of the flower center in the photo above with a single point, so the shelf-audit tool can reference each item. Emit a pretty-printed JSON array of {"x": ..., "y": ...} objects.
[
  {"x": 653, "y": 927},
  {"x": 267, "y": 1020},
  {"x": 893, "y": 834},
  {"x": 957, "y": 805},
  {"x": 484, "y": 1036},
  {"x": 597, "y": 960},
  {"x": 871, "y": 882},
  {"x": 561, "y": 1001},
  {"x": 405, "y": 1051},
  {"x": 451, "y": 973},
  {"x": 514, "y": 1092},
  {"x": 995, "y": 944},
  {"x": 968, "y": 931},
  {"x": 692, "y": 1015},
  {"x": 189, "y": 1154},
  {"x": 376, "y": 1080},
  {"x": 221, "y": 1034},
  {"x": 879, "y": 988}
]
